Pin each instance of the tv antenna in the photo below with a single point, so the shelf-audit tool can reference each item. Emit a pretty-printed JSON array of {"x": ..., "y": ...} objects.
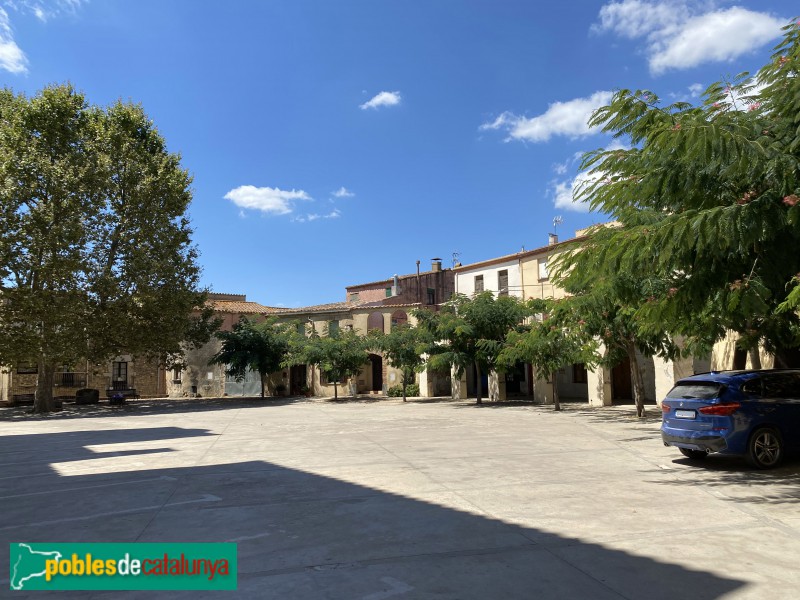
[{"x": 556, "y": 222}]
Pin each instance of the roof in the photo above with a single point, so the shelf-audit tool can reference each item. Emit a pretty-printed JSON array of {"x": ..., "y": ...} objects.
[
  {"x": 390, "y": 280},
  {"x": 330, "y": 307},
  {"x": 519, "y": 255},
  {"x": 236, "y": 306}
]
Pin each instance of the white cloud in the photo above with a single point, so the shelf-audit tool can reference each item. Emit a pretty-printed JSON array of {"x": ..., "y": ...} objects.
[
  {"x": 343, "y": 192},
  {"x": 334, "y": 214},
  {"x": 696, "y": 89},
  {"x": 564, "y": 192},
  {"x": 382, "y": 99},
  {"x": 568, "y": 118},
  {"x": 12, "y": 58},
  {"x": 681, "y": 34},
  {"x": 715, "y": 37},
  {"x": 266, "y": 199}
]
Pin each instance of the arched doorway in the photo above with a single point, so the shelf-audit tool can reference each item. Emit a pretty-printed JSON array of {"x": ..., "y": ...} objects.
[{"x": 376, "y": 365}]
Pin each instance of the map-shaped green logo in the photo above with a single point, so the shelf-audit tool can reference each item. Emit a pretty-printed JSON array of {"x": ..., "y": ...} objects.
[{"x": 28, "y": 564}]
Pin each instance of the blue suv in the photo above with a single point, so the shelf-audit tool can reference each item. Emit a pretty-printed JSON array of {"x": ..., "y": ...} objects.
[{"x": 751, "y": 413}]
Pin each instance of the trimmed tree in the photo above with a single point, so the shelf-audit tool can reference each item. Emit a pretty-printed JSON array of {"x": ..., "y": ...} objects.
[
  {"x": 549, "y": 345},
  {"x": 404, "y": 347},
  {"x": 249, "y": 346},
  {"x": 470, "y": 331},
  {"x": 339, "y": 355}
]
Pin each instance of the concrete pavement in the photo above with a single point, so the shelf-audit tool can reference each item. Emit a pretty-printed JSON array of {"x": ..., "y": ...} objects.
[{"x": 380, "y": 500}]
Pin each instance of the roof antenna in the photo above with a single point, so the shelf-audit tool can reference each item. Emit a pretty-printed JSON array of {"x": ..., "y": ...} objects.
[{"x": 556, "y": 222}]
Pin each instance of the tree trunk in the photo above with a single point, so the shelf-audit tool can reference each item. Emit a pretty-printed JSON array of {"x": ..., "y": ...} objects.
[
  {"x": 755, "y": 358},
  {"x": 636, "y": 379},
  {"x": 335, "y": 390},
  {"x": 556, "y": 399},
  {"x": 263, "y": 384},
  {"x": 43, "y": 399},
  {"x": 478, "y": 383}
]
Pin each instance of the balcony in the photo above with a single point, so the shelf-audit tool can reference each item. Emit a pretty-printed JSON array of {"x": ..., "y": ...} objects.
[{"x": 74, "y": 380}]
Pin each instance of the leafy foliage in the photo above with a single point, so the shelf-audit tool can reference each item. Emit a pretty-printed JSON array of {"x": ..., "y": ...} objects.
[
  {"x": 399, "y": 391},
  {"x": 338, "y": 354},
  {"x": 96, "y": 256},
  {"x": 249, "y": 346},
  {"x": 470, "y": 331},
  {"x": 404, "y": 347},
  {"x": 707, "y": 199}
]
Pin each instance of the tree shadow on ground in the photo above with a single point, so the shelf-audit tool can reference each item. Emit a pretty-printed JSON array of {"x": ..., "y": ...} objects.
[
  {"x": 736, "y": 481},
  {"x": 303, "y": 535},
  {"x": 148, "y": 406}
]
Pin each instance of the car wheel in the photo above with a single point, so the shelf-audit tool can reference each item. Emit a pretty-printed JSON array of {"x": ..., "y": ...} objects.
[
  {"x": 693, "y": 454},
  {"x": 765, "y": 449}
]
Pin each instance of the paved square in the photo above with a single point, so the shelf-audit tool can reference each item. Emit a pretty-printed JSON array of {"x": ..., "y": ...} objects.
[{"x": 377, "y": 500}]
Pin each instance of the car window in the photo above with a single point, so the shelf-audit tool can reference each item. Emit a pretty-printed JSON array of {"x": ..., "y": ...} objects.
[
  {"x": 782, "y": 385},
  {"x": 752, "y": 387},
  {"x": 699, "y": 390}
]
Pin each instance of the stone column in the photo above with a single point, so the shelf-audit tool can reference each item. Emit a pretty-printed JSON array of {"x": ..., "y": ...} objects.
[
  {"x": 497, "y": 386},
  {"x": 599, "y": 382},
  {"x": 459, "y": 385}
]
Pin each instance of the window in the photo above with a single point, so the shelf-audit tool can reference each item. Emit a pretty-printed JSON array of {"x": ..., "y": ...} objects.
[
  {"x": 478, "y": 283},
  {"x": 375, "y": 322},
  {"x": 543, "y": 274},
  {"x": 300, "y": 328},
  {"x": 27, "y": 368},
  {"x": 431, "y": 296},
  {"x": 579, "y": 374},
  {"x": 399, "y": 317},
  {"x": 354, "y": 297},
  {"x": 333, "y": 327},
  {"x": 388, "y": 292},
  {"x": 119, "y": 371},
  {"x": 781, "y": 385},
  {"x": 502, "y": 282},
  {"x": 176, "y": 375}
]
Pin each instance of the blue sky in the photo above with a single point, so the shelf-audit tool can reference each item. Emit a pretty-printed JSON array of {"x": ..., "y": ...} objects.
[{"x": 337, "y": 142}]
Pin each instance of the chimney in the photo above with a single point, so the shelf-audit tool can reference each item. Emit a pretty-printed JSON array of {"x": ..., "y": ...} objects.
[
  {"x": 553, "y": 239},
  {"x": 396, "y": 285},
  {"x": 436, "y": 265}
]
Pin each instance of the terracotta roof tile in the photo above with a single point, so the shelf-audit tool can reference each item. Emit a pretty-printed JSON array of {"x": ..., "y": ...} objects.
[{"x": 229, "y": 306}]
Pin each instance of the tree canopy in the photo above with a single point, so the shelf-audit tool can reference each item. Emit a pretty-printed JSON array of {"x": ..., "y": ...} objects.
[
  {"x": 707, "y": 200},
  {"x": 96, "y": 257},
  {"x": 249, "y": 346},
  {"x": 404, "y": 347},
  {"x": 339, "y": 355},
  {"x": 470, "y": 331}
]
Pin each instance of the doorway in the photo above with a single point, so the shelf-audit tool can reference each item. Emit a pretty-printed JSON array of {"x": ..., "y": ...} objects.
[{"x": 377, "y": 372}]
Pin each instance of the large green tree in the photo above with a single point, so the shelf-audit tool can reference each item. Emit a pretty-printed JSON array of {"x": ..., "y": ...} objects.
[
  {"x": 470, "y": 331},
  {"x": 95, "y": 251},
  {"x": 249, "y": 346},
  {"x": 708, "y": 199}
]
